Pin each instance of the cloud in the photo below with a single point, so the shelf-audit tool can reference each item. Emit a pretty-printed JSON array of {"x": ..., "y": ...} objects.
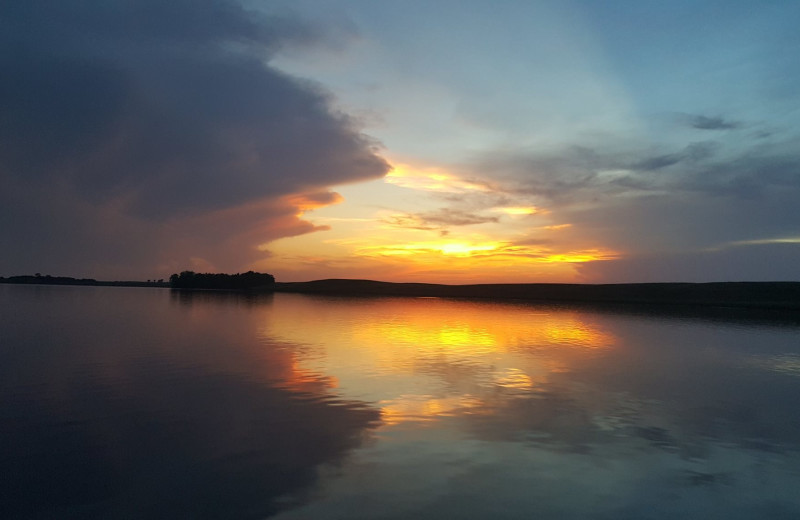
[
  {"x": 701, "y": 122},
  {"x": 160, "y": 114},
  {"x": 762, "y": 262},
  {"x": 518, "y": 210},
  {"x": 664, "y": 209},
  {"x": 435, "y": 180},
  {"x": 438, "y": 220},
  {"x": 693, "y": 152},
  {"x": 486, "y": 253},
  {"x": 576, "y": 174}
]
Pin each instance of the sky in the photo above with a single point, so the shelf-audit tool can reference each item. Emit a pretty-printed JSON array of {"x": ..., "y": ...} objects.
[{"x": 446, "y": 142}]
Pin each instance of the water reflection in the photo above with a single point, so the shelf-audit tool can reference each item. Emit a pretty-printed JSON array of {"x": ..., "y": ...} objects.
[
  {"x": 788, "y": 364},
  {"x": 227, "y": 298},
  {"x": 465, "y": 355},
  {"x": 135, "y": 408},
  {"x": 125, "y": 402},
  {"x": 510, "y": 410}
]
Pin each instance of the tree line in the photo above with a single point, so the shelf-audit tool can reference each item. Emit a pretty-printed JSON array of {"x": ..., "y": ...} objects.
[{"x": 222, "y": 281}]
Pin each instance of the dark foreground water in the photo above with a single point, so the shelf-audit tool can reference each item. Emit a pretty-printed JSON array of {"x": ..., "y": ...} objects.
[{"x": 142, "y": 403}]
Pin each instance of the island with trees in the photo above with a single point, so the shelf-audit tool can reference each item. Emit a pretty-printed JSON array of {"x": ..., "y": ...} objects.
[{"x": 249, "y": 281}]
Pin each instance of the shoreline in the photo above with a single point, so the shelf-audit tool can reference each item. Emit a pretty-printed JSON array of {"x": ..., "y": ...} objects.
[
  {"x": 756, "y": 295},
  {"x": 88, "y": 282},
  {"x": 761, "y": 295}
]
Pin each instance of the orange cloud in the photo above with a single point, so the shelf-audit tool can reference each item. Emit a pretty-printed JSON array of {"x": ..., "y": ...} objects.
[{"x": 310, "y": 201}]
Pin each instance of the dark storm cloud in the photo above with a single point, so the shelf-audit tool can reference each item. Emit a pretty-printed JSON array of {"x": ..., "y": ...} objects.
[{"x": 157, "y": 110}]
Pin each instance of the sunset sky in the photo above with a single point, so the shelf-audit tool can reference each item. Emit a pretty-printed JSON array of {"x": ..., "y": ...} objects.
[{"x": 431, "y": 141}]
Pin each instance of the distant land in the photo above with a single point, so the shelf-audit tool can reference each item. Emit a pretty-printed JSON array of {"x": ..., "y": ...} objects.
[
  {"x": 186, "y": 280},
  {"x": 764, "y": 295},
  {"x": 777, "y": 295},
  {"x": 68, "y": 280}
]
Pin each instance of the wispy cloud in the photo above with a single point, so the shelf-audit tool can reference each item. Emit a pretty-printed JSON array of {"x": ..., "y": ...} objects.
[
  {"x": 439, "y": 220},
  {"x": 755, "y": 242},
  {"x": 701, "y": 122},
  {"x": 433, "y": 179}
]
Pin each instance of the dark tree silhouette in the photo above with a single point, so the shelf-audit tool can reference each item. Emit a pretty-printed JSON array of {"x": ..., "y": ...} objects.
[{"x": 236, "y": 282}]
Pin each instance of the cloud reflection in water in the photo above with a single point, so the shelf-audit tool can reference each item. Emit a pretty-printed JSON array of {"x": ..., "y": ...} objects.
[
  {"x": 506, "y": 410},
  {"x": 121, "y": 404},
  {"x": 121, "y": 401}
]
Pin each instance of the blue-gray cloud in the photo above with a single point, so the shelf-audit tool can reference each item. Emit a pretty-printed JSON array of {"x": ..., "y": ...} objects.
[
  {"x": 709, "y": 167},
  {"x": 766, "y": 262},
  {"x": 665, "y": 210},
  {"x": 693, "y": 152},
  {"x": 152, "y": 111},
  {"x": 701, "y": 122}
]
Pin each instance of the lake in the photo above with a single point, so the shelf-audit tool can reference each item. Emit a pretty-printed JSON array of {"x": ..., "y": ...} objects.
[{"x": 147, "y": 403}]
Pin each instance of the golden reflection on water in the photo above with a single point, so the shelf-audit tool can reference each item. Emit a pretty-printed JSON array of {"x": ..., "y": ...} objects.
[
  {"x": 426, "y": 359},
  {"x": 479, "y": 328},
  {"x": 427, "y": 333},
  {"x": 515, "y": 378},
  {"x": 423, "y": 408}
]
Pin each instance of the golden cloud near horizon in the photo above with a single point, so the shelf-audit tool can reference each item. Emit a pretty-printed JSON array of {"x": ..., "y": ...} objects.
[
  {"x": 467, "y": 249},
  {"x": 516, "y": 211},
  {"x": 431, "y": 179}
]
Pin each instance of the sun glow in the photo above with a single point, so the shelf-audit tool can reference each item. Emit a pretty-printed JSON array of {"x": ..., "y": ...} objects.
[
  {"x": 484, "y": 250},
  {"x": 576, "y": 257},
  {"x": 461, "y": 249},
  {"x": 458, "y": 249},
  {"x": 482, "y": 240},
  {"x": 430, "y": 179},
  {"x": 519, "y": 210}
]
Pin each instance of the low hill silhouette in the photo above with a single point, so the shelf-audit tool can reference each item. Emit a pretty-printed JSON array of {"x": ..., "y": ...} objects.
[{"x": 782, "y": 295}]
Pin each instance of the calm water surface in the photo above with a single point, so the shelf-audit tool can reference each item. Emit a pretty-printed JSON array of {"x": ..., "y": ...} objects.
[{"x": 143, "y": 403}]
